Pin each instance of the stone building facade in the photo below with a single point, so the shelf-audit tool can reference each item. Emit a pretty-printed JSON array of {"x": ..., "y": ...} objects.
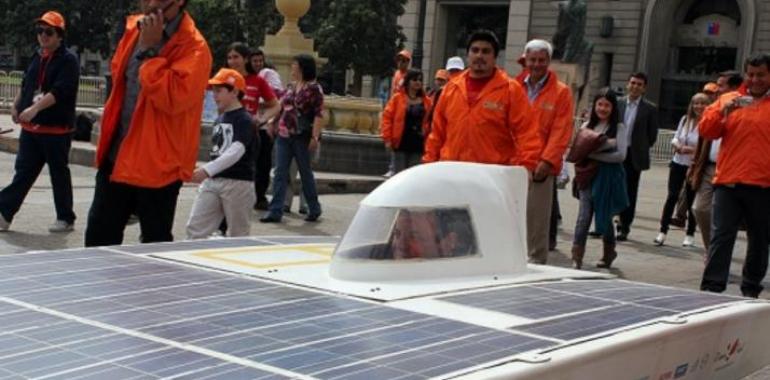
[{"x": 681, "y": 44}]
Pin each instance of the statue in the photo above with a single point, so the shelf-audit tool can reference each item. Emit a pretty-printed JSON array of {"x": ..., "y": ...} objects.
[{"x": 569, "y": 43}]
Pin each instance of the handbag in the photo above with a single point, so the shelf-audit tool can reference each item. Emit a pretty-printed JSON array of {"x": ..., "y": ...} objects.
[{"x": 585, "y": 142}]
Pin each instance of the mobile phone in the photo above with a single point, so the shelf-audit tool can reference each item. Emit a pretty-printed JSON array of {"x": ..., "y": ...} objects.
[{"x": 163, "y": 10}]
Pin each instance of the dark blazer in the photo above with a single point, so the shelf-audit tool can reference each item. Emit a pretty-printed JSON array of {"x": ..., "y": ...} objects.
[{"x": 645, "y": 132}]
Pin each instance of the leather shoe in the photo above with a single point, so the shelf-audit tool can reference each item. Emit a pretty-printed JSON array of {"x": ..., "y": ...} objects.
[
  {"x": 312, "y": 217},
  {"x": 270, "y": 219},
  {"x": 623, "y": 236},
  {"x": 594, "y": 234}
]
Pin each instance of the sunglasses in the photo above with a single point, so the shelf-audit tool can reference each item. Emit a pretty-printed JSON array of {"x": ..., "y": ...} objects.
[{"x": 47, "y": 31}]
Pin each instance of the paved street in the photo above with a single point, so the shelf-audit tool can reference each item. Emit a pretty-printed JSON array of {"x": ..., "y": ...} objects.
[{"x": 638, "y": 260}]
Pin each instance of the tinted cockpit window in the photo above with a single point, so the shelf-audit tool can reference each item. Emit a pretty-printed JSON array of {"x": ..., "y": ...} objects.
[{"x": 409, "y": 233}]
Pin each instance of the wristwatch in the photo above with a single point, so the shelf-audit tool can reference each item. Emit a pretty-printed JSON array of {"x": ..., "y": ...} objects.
[{"x": 147, "y": 53}]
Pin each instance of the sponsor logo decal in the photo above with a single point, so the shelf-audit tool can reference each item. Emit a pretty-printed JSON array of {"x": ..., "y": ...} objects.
[{"x": 727, "y": 356}]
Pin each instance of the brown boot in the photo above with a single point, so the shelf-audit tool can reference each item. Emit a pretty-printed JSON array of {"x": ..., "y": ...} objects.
[
  {"x": 577, "y": 256},
  {"x": 608, "y": 257}
]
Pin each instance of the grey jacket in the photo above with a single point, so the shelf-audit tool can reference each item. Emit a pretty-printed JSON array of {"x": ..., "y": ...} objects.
[{"x": 645, "y": 132}]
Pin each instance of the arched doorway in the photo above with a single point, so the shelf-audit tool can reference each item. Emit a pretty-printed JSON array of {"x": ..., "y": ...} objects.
[{"x": 685, "y": 43}]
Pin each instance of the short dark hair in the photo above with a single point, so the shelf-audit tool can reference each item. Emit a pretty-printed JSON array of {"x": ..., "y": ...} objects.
[
  {"x": 484, "y": 35},
  {"x": 257, "y": 51},
  {"x": 734, "y": 78},
  {"x": 243, "y": 50},
  {"x": 307, "y": 66},
  {"x": 411, "y": 75},
  {"x": 230, "y": 88},
  {"x": 756, "y": 60},
  {"x": 639, "y": 75}
]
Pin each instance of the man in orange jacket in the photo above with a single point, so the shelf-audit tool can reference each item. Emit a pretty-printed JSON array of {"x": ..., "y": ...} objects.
[
  {"x": 742, "y": 179},
  {"x": 551, "y": 101},
  {"x": 484, "y": 116},
  {"x": 151, "y": 125}
]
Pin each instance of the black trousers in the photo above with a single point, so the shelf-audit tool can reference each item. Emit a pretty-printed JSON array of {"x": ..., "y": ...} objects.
[
  {"x": 676, "y": 179},
  {"x": 555, "y": 216},
  {"x": 264, "y": 163},
  {"x": 35, "y": 151},
  {"x": 632, "y": 184},
  {"x": 731, "y": 205},
  {"x": 114, "y": 202}
]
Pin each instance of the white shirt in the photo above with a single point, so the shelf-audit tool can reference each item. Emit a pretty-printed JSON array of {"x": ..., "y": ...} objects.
[
  {"x": 714, "y": 153},
  {"x": 686, "y": 135},
  {"x": 632, "y": 106}
]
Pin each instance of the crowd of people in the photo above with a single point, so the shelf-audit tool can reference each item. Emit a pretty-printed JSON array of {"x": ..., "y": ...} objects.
[{"x": 718, "y": 179}]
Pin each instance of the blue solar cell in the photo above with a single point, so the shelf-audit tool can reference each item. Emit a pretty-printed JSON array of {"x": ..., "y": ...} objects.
[
  {"x": 594, "y": 322},
  {"x": 528, "y": 302},
  {"x": 100, "y": 372},
  {"x": 241, "y": 344},
  {"x": 11, "y": 344},
  {"x": 36, "y": 363}
]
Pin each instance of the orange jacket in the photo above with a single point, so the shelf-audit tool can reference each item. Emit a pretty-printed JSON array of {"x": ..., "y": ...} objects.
[
  {"x": 161, "y": 146},
  {"x": 394, "y": 118},
  {"x": 499, "y": 128},
  {"x": 554, "y": 110},
  {"x": 744, "y": 156}
]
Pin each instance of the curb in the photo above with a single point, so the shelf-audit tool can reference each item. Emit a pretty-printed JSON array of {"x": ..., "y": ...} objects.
[{"x": 83, "y": 155}]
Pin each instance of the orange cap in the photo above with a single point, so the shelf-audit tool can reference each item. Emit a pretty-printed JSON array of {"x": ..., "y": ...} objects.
[
  {"x": 442, "y": 74},
  {"x": 405, "y": 53},
  {"x": 52, "y": 18},
  {"x": 711, "y": 87},
  {"x": 229, "y": 77}
]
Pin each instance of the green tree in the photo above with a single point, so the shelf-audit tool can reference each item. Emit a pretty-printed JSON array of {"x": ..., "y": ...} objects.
[
  {"x": 362, "y": 35},
  {"x": 223, "y": 22},
  {"x": 90, "y": 24}
]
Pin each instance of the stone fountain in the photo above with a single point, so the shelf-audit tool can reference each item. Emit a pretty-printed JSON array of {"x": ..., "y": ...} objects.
[{"x": 351, "y": 136}]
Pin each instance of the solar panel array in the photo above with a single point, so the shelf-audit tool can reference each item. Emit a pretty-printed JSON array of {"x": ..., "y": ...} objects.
[
  {"x": 96, "y": 313},
  {"x": 116, "y": 313},
  {"x": 572, "y": 310}
]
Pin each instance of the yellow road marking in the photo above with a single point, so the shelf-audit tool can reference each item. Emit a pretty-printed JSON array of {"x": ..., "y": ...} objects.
[{"x": 323, "y": 250}]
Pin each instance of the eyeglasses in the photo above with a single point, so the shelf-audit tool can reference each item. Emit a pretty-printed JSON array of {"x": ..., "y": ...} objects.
[{"x": 47, "y": 31}]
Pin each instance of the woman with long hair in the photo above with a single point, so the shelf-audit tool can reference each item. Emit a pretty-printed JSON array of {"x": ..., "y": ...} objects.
[
  {"x": 602, "y": 192},
  {"x": 297, "y": 136},
  {"x": 260, "y": 101},
  {"x": 684, "y": 142},
  {"x": 405, "y": 121}
]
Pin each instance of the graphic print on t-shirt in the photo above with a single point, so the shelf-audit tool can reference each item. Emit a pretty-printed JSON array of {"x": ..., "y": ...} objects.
[{"x": 221, "y": 139}]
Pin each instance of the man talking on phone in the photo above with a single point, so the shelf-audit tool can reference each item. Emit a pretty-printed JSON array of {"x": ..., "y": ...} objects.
[
  {"x": 151, "y": 124},
  {"x": 742, "y": 179}
]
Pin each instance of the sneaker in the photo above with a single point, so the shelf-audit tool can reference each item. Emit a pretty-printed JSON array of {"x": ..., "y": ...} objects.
[
  {"x": 4, "y": 224},
  {"x": 660, "y": 239},
  {"x": 689, "y": 241},
  {"x": 61, "y": 226}
]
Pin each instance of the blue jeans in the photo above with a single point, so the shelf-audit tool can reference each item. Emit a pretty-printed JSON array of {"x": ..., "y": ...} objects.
[
  {"x": 295, "y": 147},
  {"x": 583, "y": 222},
  {"x": 35, "y": 151}
]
